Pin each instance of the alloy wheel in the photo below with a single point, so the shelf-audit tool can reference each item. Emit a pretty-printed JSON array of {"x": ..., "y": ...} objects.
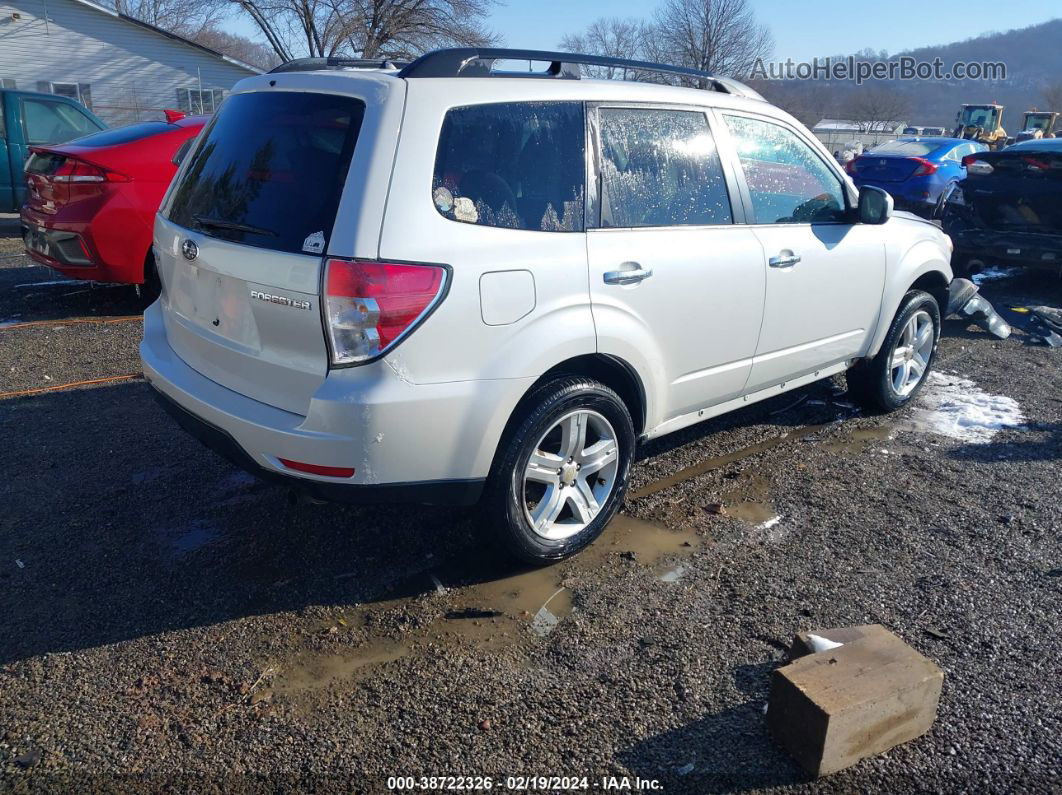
[
  {"x": 911, "y": 354},
  {"x": 570, "y": 474}
]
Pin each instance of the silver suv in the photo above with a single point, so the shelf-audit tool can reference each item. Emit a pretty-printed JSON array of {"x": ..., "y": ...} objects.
[{"x": 449, "y": 283}]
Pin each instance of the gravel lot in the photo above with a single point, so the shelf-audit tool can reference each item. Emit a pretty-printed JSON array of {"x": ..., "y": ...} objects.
[{"x": 167, "y": 616}]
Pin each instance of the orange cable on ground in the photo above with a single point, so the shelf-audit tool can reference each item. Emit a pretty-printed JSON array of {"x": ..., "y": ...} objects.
[
  {"x": 57, "y": 387},
  {"x": 70, "y": 322}
]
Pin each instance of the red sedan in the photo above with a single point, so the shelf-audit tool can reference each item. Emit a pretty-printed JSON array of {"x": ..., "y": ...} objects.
[{"x": 92, "y": 201}]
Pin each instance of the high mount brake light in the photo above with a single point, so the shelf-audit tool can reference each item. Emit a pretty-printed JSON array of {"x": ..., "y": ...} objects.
[
  {"x": 74, "y": 170},
  {"x": 369, "y": 306}
]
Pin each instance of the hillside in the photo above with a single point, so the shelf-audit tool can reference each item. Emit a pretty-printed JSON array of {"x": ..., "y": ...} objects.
[{"x": 1032, "y": 55}]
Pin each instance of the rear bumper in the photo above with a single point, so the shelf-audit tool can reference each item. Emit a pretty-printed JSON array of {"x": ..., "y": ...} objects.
[
  {"x": 75, "y": 247},
  {"x": 452, "y": 492},
  {"x": 429, "y": 443},
  {"x": 1011, "y": 248}
]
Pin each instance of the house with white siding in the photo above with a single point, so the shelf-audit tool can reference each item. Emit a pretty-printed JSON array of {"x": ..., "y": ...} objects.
[{"x": 123, "y": 69}]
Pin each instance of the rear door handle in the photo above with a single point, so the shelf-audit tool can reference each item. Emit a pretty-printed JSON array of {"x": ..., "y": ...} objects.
[
  {"x": 628, "y": 277},
  {"x": 784, "y": 260}
]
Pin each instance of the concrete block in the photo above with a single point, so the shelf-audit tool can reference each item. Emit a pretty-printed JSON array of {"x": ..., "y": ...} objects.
[{"x": 831, "y": 709}]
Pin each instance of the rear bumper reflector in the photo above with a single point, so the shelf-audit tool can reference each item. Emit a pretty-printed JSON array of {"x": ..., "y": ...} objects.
[{"x": 317, "y": 469}]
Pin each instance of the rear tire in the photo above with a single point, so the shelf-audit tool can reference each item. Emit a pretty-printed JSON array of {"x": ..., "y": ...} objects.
[
  {"x": 152, "y": 286},
  {"x": 561, "y": 472},
  {"x": 894, "y": 377}
]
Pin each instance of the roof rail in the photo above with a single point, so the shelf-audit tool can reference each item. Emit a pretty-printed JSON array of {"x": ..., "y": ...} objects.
[
  {"x": 479, "y": 62},
  {"x": 332, "y": 62}
]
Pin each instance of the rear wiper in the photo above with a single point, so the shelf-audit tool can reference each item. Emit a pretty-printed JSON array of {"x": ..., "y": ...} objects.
[{"x": 217, "y": 223}]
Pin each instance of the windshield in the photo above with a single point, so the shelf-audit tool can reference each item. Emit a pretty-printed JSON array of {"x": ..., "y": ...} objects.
[
  {"x": 1039, "y": 122},
  {"x": 270, "y": 170},
  {"x": 984, "y": 117}
]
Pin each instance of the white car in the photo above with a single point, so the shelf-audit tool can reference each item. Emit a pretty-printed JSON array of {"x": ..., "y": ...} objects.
[{"x": 451, "y": 284}]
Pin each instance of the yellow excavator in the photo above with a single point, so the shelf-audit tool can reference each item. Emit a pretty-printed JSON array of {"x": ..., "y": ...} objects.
[
  {"x": 982, "y": 123},
  {"x": 1038, "y": 124}
]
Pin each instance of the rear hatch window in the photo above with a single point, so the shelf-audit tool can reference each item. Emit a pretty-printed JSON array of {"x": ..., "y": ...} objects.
[{"x": 270, "y": 170}]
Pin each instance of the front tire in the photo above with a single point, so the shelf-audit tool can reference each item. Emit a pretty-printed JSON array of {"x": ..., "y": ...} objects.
[
  {"x": 561, "y": 473},
  {"x": 894, "y": 377}
]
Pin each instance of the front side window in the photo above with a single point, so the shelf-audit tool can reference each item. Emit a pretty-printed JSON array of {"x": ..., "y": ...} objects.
[
  {"x": 660, "y": 168},
  {"x": 49, "y": 122},
  {"x": 516, "y": 165},
  {"x": 789, "y": 182}
]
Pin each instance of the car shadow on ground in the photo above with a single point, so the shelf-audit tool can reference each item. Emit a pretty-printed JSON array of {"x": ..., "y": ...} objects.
[
  {"x": 729, "y": 751},
  {"x": 1041, "y": 442},
  {"x": 117, "y": 525},
  {"x": 38, "y": 293}
]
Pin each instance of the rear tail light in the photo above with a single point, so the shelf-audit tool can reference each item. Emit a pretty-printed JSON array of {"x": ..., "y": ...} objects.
[
  {"x": 370, "y": 305},
  {"x": 74, "y": 170},
  {"x": 925, "y": 167},
  {"x": 975, "y": 166}
]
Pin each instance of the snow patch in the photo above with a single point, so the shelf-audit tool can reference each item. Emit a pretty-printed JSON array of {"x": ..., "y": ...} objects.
[
  {"x": 769, "y": 523},
  {"x": 954, "y": 406},
  {"x": 994, "y": 273}
]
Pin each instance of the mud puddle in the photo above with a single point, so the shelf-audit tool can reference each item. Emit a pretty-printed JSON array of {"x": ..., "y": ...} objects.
[
  {"x": 718, "y": 462},
  {"x": 860, "y": 440},
  {"x": 471, "y": 606}
]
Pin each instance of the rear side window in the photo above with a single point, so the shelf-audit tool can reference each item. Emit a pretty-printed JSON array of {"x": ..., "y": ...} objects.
[
  {"x": 270, "y": 170},
  {"x": 516, "y": 165},
  {"x": 126, "y": 134},
  {"x": 660, "y": 168}
]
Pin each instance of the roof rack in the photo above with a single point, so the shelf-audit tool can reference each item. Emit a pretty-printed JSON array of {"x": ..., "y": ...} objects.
[
  {"x": 479, "y": 62},
  {"x": 317, "y": 64}
]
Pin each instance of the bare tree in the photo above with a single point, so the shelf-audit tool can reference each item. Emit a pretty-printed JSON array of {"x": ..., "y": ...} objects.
[
  {"x": 717, "y": 36},
  {"x": 874, "y": 107},
  {"x": 183, "y": 17},
  {"x": 407, "y": 28},
  {"x": 1052, "y": 96},
  {"x": 612, "y": 37},
  {"x": 369, "y": 28},
  {"x": 238, "y": 47}
]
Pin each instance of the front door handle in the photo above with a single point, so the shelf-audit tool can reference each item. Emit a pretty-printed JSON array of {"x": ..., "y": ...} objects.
[
  {"x": 785, "y": 259},
  {"x": 628, "y": 277}
]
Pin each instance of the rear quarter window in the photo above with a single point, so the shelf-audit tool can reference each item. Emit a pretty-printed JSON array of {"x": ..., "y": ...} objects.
[
  {"x": 515, "y": 165},
  {"x": 270, "y": 170}
]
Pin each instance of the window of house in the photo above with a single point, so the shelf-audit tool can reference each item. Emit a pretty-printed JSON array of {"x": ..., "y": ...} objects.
[
  {"x": 660, "y": 168},
  {"x": 7, "y": 82},
  {"x": 789, "y": 182},
  {"x": 79, "y": 92},
  {"x": 197, "y": 101},
  {"x": 517, "y": 165}
]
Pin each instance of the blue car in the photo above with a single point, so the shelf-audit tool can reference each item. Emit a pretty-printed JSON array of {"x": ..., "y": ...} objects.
[{"x": 914, "y": 170}]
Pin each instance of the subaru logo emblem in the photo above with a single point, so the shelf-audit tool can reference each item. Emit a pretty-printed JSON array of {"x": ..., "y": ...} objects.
[{"x": 189, "y": 249}]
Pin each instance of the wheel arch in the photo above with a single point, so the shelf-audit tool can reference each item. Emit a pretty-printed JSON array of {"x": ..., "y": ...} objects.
[
  {"x": 932, "y": 273},
  {"x": 611, "y": 371}
]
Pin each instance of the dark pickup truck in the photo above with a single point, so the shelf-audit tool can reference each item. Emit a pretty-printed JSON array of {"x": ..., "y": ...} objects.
[
  {"x": 1008, "y": 210},
  {"x": 29, "y": 118}
]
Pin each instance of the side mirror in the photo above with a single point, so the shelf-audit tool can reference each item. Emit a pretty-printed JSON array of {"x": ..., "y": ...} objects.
[{"x": 875, "y": 205}]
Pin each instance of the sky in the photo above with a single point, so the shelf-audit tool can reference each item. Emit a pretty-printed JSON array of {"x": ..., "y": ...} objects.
[{"x": 802, "y": 29}]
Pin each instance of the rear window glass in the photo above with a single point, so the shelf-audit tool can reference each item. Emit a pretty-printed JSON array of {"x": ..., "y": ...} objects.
[
  {"x": 270, "y": 170},
  {"x": 126, "y": 134},
  {"x": 906, "y": 148},
  {"x": 517, "y": 165}
]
